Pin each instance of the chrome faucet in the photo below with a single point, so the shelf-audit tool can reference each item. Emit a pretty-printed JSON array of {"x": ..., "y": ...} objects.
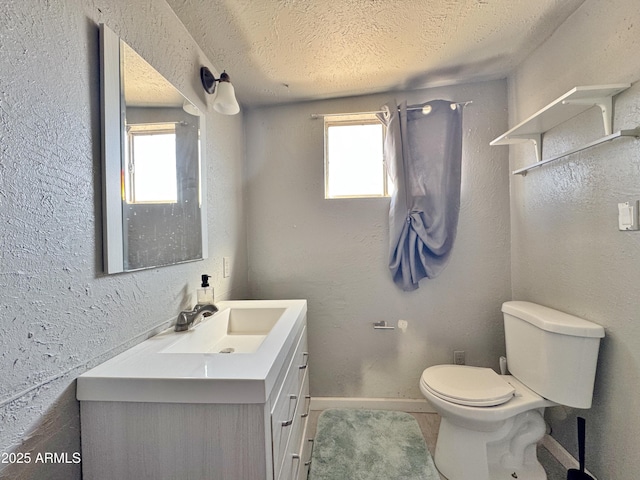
[{"x": 190, "y": 318}]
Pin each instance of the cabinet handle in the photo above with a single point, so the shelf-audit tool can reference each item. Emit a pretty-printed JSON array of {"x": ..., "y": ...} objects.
[
  {"x": 296, "y": 456},
  {"x": 306, "y": 414},
  {"x": 289, "y": 422},
  {"x": 308, "y": 462},
  {"x": 305, "y": 356}
]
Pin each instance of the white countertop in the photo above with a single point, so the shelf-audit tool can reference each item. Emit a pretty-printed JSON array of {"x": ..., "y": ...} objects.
[{"x": 145, "y": 373}]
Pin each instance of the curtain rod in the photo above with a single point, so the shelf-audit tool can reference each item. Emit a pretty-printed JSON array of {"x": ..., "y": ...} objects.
[{"x": 322, "y": 115}]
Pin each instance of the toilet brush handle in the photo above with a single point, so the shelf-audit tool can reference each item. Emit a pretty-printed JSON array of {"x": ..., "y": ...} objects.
[{"x": 581, "y": 439}]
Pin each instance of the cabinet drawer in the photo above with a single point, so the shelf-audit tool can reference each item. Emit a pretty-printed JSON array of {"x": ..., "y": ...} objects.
[
  {"x": 293, "y": 464},
  {"x": 306, "y": 448},
  {"x": 284, "y": 408}
]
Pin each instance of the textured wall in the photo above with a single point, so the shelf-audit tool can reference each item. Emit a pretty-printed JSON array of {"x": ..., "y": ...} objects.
[
  {"x": 334, "y": 252},
  {"x": 58, "y": 314},
  {"x": 567, "y": 251}
]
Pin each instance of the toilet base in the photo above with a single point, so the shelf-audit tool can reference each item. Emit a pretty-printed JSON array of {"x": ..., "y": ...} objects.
[
  {"x": 529, "y": 472},
  {"x": 534, "y": 473},
  {"x": 506, "y": 452}
]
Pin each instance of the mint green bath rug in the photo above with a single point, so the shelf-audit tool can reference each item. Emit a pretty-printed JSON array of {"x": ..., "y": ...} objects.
[{"x": 370, "y": 445}]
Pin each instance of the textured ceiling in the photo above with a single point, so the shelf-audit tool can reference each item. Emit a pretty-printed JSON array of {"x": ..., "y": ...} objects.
[{"x": 279, "y": 51}]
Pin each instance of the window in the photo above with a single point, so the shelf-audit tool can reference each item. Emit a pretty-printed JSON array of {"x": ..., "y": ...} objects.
[
  {"x": 354, "y": 160},
  {"x": 151, "y": 172}
]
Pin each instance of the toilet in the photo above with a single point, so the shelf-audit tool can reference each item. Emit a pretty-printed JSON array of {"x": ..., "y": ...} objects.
[{"x": 490, "y": 423}]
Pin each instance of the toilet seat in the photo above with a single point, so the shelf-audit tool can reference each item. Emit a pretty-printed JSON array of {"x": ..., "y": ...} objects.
[{"x": 465, "y": 385}]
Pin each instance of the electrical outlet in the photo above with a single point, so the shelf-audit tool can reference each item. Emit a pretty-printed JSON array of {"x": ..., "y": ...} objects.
[
  {"x": 226, "y": 267},
  {"x": 628, "y": 216},
  {"x": 458, "y": 357}
]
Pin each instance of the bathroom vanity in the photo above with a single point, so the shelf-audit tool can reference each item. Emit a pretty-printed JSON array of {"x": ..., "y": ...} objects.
[{"x": 176, "y": 406}]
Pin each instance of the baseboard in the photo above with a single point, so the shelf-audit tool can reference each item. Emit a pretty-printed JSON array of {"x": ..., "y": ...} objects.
[
  {"x": 561, "y": 454},
  {"x": 397, "y": 404}
]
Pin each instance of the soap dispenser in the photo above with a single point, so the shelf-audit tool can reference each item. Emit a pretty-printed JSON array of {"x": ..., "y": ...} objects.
[{"x": 205, "y": 292}]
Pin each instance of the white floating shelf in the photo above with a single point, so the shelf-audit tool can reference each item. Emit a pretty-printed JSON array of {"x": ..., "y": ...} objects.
[{"x": 574, "y": 102}]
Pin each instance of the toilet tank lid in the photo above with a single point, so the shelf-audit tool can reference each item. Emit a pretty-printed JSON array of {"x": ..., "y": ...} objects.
[{"x": 552, "y": 320}]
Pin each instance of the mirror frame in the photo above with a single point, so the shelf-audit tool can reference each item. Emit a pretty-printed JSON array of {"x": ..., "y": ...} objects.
[{"x": 113, "y": 109}]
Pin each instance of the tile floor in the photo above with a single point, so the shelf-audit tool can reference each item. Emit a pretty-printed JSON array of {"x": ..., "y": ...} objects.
[{"x": 429, "y": 423}]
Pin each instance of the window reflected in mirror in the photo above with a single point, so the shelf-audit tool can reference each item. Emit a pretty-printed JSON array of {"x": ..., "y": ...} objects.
[{"x": 151, "y": 164}]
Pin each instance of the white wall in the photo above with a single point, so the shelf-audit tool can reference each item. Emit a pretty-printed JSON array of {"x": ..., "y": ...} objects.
[
  {"x": 334, "y": 252},
  {"x": 59, "y": 315},
  {"x": 567, "y": 252}
]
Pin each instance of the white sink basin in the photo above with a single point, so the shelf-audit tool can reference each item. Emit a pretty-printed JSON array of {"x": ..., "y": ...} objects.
[
  {"x": 191, "y": 366},
  {"x": 232, "y": 330}
]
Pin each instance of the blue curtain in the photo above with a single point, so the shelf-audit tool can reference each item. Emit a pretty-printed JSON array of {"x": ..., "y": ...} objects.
[{"x": 423, "y": 151}]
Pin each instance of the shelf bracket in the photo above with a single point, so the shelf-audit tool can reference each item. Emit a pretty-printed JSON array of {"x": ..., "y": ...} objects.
[
  {"x": 537, "y": 144},
  {"x": 534, "y": 138},
  {"x": 606, "y": 106}
]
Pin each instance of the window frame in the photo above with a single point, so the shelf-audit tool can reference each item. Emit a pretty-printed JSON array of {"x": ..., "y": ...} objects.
[
  {"x": 129, "y": 181},
  {"x": 354, "y": 119}
]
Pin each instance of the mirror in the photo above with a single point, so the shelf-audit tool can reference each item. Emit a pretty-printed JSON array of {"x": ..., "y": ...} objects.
[{"x": 153, "y": 173}]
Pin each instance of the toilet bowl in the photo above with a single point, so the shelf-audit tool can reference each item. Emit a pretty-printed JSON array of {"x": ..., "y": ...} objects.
[
  {"x": 490, "y": 424},
  {"x": 487, "y": 431}
]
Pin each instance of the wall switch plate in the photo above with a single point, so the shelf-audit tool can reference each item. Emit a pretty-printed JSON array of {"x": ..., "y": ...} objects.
[
  {"x": 458, "y": 357},
  {"x": 226, "y": 267},
  {"x": 628, "y": 216}
]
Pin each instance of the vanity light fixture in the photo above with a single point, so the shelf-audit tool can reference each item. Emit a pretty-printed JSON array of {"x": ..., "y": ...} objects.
[{"x": 225, "y": 101}]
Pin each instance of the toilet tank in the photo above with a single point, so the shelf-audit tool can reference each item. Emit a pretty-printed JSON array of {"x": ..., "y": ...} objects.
[{"x": 551, "y": 352}]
